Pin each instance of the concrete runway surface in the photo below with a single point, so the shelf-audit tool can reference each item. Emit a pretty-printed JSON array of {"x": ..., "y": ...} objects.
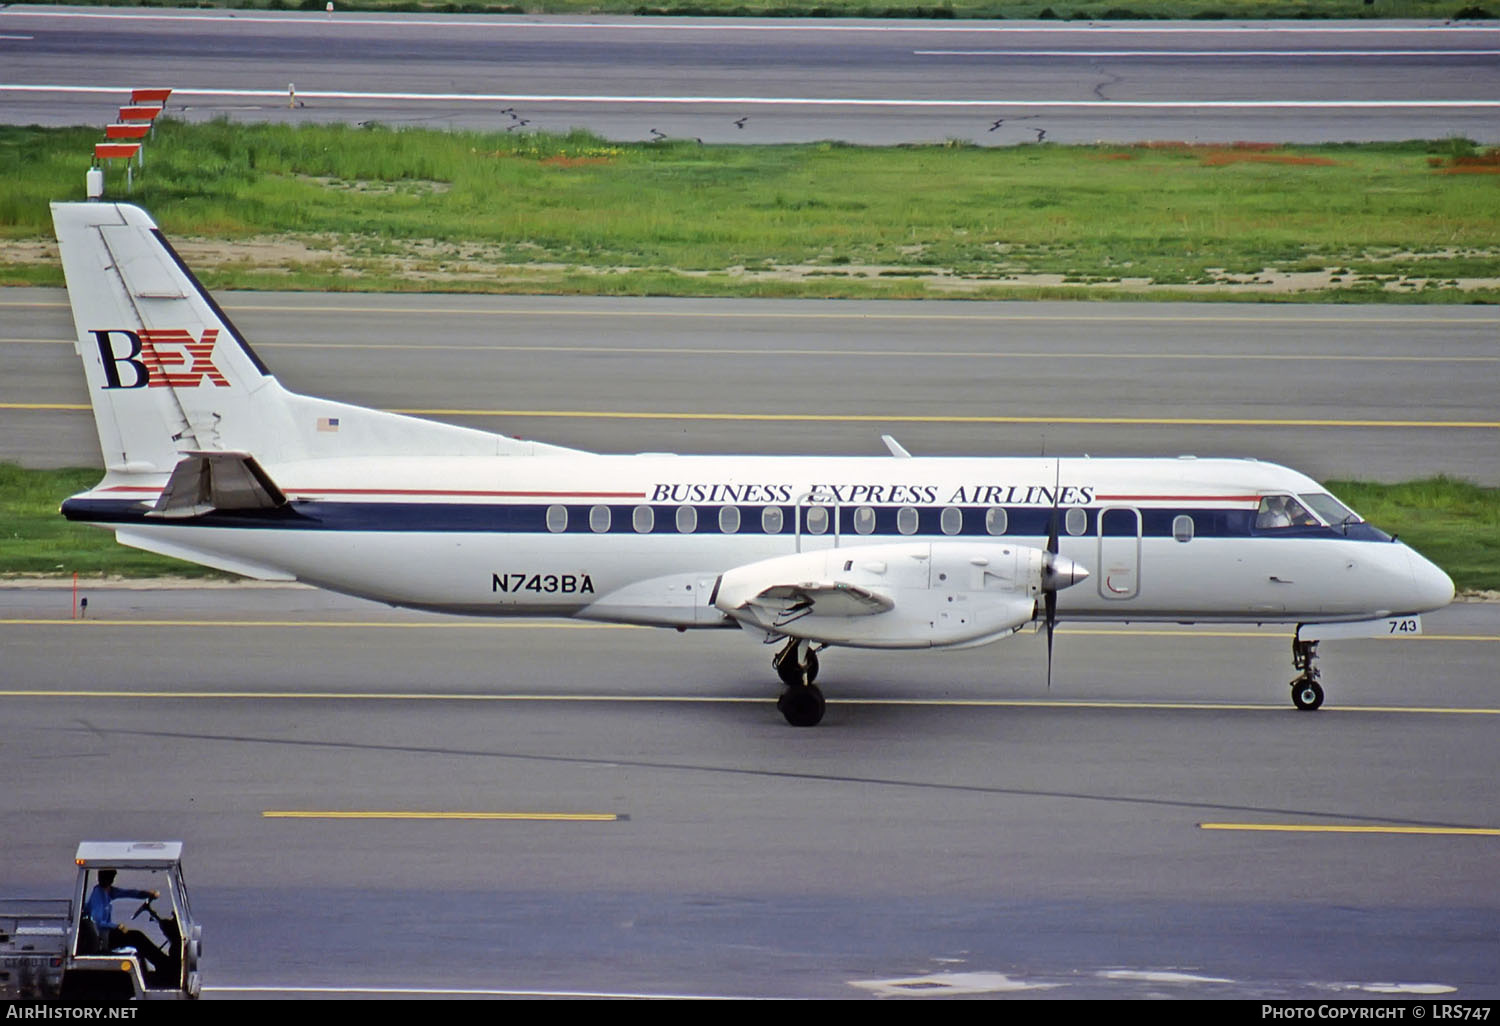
[
  {"x": 1161, "y": 823},
  {"x": 759, "y": 81}
]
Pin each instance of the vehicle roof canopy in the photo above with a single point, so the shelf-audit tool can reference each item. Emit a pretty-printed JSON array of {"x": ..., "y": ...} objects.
[{"x": 128, "y": 854}]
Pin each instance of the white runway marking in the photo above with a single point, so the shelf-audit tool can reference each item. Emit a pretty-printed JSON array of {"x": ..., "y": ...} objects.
[
  {"x": 948, "y": 984},
  {"x": 749, "y": 25},
  {"x": 784, "y": 101}
]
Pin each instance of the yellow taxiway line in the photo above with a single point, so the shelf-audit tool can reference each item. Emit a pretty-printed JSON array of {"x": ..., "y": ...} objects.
[
  {"x": 535, "y": 625},
  {"x": 910, "y": 418},
  {"x": 948, "y": 703},
  {"x": 923, "y": 418},
  {"x": 1308, "y": 828},
  {"x": 543, "y": 817},
  {"x": 363, "y": 624}
]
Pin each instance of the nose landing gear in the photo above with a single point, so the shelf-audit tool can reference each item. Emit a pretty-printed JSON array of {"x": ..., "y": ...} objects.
[
  {"x": 1307, "y": 693},
  {"x": 797, "y": 665}
]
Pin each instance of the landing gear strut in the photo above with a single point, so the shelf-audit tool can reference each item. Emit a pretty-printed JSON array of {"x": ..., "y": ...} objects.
[
  {"x": 1307, "y": 693},
  {"x": 797, "y": 666}
]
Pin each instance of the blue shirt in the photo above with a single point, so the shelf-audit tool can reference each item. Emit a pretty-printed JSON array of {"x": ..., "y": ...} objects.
[{"x": 100, "y": 904}]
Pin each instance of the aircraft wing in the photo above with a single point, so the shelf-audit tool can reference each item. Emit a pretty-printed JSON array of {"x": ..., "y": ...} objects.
[{"x": 899, "y": 595}]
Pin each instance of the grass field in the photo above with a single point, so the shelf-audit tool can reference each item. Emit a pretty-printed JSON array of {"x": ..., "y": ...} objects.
[
  {"x": 1455, "y": 524},
  {"x": 340, "y": 207},
  {"x": 1107, "y": 10}
]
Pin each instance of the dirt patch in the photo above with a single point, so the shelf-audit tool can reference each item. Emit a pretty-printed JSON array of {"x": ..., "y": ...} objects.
[
  {"x": 494, "y": 267},
  {"x": 1220, "y": 155},
  {"x": 1486, "y": 163},
  {"x": 379, "y": 187},
  {"x": 1221, "y": 158},
  {"x": 563, "y": 161}
]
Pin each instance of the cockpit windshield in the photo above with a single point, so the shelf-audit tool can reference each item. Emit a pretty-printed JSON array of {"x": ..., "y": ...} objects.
[{"x": 1333, "y": 512}]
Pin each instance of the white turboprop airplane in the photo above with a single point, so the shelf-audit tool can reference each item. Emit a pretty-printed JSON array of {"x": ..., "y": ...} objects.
[{"x": 209, "y": 459}]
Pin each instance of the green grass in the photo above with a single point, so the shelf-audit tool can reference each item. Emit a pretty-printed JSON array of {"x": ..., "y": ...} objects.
[
  {"x": 1107, "y": 10},
  {"x": 429, "y": 210},
  {"x": 36, "y": 540},
  {"x": 1453, "y": 523}
]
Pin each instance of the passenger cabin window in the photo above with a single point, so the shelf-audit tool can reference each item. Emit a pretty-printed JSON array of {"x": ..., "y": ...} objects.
[
  {"x": 817, "y": 519},
  {"x": 729, "y": 519},
  {"x": 864, "y": 520},
  {"x": 557, "y": 519},
  {"x": 952, "y": 520},
  {"x": 687, "y": 519},
  {"x": 907, "y": 520},
  {"x": 996, "y": 520},
  {"x": 643, "y": 519},
  {"x": 770, "y": 520},
  {"x": 1182, "y": 528},
  {"x": 1278, "y": 512},
  {"x": 599, "y": 519},
  {"x": 1076, "y": 521}
]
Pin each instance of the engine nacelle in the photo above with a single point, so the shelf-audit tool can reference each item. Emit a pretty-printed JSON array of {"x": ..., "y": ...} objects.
[{"x": 903, "y": 595}]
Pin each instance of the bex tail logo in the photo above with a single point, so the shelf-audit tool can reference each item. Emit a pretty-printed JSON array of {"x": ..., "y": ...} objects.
[{"x": 164, "y": 358}]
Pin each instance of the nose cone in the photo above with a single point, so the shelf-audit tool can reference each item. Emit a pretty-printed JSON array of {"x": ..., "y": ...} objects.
[
  {"x": 1060, "y": 572},
  {"x": 1431, "y": 588}
]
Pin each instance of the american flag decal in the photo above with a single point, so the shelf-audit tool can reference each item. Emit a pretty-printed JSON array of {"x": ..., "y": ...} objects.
[{"x": 328, "y": 423}]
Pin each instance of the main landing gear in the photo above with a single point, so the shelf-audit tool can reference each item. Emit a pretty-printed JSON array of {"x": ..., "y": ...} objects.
[
  {"x": 797, "y": 666},
  {"x": 1307, "y": 693}
]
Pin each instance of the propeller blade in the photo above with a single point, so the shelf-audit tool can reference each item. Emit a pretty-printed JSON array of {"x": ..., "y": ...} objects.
[
  {"x": 1051, "y": 562},
  {"x": 1051, "y": 626}
]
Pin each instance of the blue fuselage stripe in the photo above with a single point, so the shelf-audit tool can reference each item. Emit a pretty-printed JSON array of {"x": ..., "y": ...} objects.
[{"x": 507, "y": 518}]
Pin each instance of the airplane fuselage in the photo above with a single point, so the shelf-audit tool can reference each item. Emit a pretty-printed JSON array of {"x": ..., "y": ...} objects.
[{"x": 1163, "y": 539}]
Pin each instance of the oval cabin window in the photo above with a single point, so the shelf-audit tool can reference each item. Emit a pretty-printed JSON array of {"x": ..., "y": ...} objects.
[
  {"x": 817, "y": 519},
  {"x": 1182, "y": 528},
  {"x": 996, "y": 520}
]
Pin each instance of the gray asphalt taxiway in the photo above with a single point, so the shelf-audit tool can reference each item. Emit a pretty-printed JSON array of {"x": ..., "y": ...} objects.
[
  {"x": 383, "y": 802},
  {"x": 1379, "y": 393},
  {"x": 377, "y": 801},
  {"x": 744, "y": 80}
]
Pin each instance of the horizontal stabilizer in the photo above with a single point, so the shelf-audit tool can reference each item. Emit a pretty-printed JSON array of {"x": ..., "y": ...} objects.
[{"x": 206, "y": 481}]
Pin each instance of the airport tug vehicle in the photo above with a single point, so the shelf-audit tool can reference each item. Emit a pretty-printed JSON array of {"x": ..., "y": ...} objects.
[{"x": 50, "y": 949}]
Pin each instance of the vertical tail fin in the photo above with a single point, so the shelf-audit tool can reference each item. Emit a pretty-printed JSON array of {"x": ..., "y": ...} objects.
[{"x": 167, "y": 371}]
